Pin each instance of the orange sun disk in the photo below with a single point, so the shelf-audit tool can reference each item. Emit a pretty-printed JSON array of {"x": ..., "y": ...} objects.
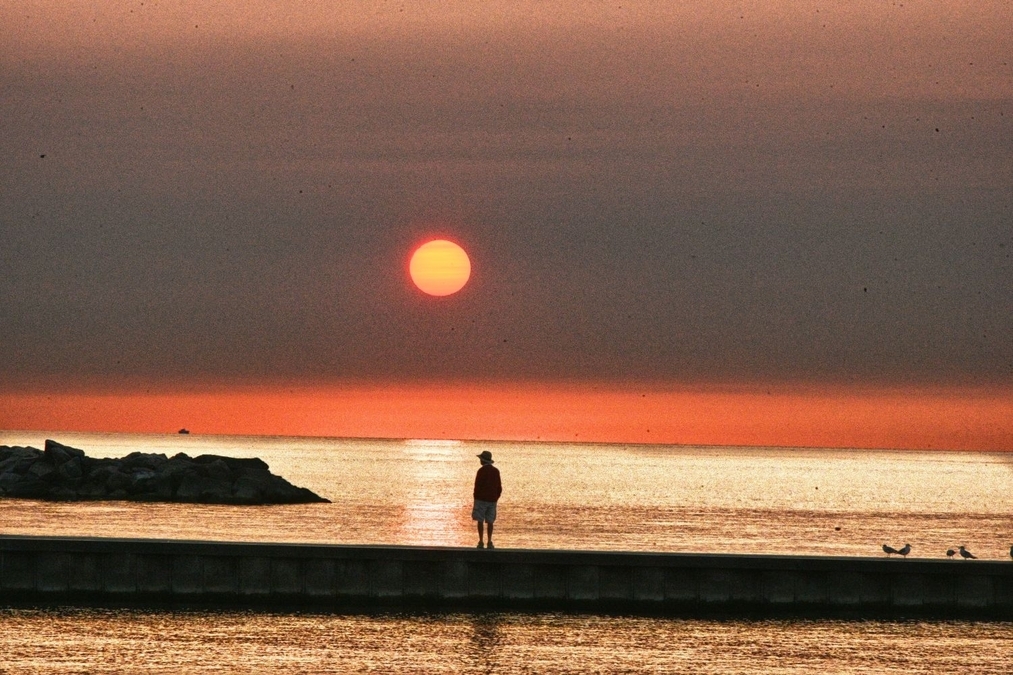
[{"x": 440, "y": 267}]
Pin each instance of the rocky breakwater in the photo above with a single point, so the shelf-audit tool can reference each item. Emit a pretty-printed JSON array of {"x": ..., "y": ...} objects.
[{"x": 62, "y": 473}]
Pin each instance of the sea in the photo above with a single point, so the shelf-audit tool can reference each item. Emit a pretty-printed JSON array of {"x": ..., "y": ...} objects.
[{"x": 834, "y": 502}]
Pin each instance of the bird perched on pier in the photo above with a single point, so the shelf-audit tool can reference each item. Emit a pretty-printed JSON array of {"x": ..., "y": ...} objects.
[
  {"x": 950, "y": 553},
  {"x": 889, "y": 549},
  {"x": 967, "y": 555},
  {"x": 904, "y": 551},
  {"x": 1011, "y": 551}
]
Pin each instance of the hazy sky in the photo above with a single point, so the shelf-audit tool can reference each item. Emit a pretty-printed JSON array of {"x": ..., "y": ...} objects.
[{"x": 649, "y": 191}]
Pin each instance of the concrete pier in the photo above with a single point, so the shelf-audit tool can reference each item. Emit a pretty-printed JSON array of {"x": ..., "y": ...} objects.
[{"x": 132, "y": 572}]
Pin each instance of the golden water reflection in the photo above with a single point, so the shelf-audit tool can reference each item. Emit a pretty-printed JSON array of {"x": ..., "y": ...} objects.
[
  {"x": 571, "y": 496},
  {"x": 436, "y": 498},
  {"x": 97, "y": 641}
]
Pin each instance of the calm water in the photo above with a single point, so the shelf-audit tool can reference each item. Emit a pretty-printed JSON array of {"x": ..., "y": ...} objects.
[
  {"x": 115, "y": 642},
  {"x": 764, "y": 500}
]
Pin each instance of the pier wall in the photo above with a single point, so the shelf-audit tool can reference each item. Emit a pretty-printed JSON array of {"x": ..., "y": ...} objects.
[{"x": 219, "y": 574}]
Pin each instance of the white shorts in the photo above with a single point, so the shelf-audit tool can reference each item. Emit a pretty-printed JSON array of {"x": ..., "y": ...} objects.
[{"x": 484, "y": 511}]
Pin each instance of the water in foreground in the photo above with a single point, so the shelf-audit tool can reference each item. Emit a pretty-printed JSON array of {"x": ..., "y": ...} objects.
[
  {"x": 79, "y": 641},
  {"x": 761, "y": 500}
]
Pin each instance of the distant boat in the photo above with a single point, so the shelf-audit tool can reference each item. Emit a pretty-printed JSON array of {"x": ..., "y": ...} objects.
[{"x": 184, "y": 431}]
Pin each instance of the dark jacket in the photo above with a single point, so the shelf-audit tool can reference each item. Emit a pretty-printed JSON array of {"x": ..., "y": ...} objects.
[{"x": 487, "y": 485}]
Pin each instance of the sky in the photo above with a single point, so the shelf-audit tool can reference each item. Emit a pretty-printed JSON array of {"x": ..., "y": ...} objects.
[{"x": 765, "y": 215}]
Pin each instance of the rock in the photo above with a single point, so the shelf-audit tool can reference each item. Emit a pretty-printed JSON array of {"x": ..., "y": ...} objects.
[
  {"x": 142, "y": 460},
  {"x": 57, "y": 453},
  {"x": 154, "y": 488},
  {"x": 190, "y": 487},
  {"x": 92, "y": 491},
  {"x": 27, "y": 487},
  {"x": 196, "y": 488},
  {"x": 142, "y": 474},
  {"x": 63, "y": 494},
  {"x": 254, "y": 464},
  {"x": 71, "y": 469},
  {"x": 8, "y": 479},
  {"x": 217, "y": 470},
  {"x": 246, "y": 490},
  {"x": 11, "y": 456},
  {"x": 61, "y": 472},
  {"x": 7, "y": 464},
  {"x": 277, "y": 488},
  {"x": 118, "y": 481},
  {"x": 41, "y": 468},
  {"x": 100, "y": 474},
  {"x": 178, "y": 460}
]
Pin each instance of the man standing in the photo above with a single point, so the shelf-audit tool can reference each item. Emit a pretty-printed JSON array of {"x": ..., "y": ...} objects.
[{"x": 487, "y": 492}]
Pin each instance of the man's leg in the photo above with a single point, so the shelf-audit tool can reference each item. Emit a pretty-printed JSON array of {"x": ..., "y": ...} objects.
[
  {"x": 490, "y": 534},
  {"x": 481, "y": 532}
]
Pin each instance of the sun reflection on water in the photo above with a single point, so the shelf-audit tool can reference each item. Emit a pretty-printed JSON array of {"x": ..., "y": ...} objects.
[{"x": 435, "y": 507}]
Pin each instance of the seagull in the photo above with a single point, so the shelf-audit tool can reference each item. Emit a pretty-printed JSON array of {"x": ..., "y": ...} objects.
[
  {"x": 1011, "y": 551},
  {"x": 950, "y": 553},
  {"x": 965, "y": 554},
  {"x": 889, "y": 549},
  {"x": 904, "y": 551}
]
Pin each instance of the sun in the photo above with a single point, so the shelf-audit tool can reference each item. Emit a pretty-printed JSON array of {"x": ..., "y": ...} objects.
[{"x": 440, "y": 267}]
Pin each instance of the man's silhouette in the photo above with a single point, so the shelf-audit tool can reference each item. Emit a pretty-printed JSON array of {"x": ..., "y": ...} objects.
[{"x": 487, "y": 491}]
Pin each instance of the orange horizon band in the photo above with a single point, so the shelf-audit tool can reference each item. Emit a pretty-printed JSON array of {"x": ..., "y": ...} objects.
[{"x": 938, "y": 419}]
